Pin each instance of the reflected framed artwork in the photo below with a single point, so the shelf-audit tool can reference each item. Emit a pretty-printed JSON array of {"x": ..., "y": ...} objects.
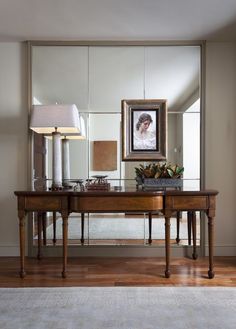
[{"x": 144, "y": 129}]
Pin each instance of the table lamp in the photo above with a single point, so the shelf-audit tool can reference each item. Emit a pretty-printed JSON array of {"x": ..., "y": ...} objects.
[
  {"x": 66, "y": 153},
  {"x": 55, "y": 120}
]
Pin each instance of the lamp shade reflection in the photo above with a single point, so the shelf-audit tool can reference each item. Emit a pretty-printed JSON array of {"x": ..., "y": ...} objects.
[{"x": 66, "y": 152}]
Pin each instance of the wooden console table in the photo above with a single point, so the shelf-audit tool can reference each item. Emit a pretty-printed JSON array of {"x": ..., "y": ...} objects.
[{"x": 167, "y": 202}]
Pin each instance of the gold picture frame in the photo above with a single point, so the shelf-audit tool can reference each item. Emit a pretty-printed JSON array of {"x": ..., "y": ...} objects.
[{"x": 144, "y": 129}]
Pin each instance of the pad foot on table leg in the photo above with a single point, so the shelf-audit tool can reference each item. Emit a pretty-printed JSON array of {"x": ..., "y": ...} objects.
[
  {"x": 64, "y": 274},
  {"x": 211, "y": 274}
]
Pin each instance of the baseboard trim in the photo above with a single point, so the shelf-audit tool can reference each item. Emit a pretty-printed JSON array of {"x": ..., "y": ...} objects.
[
  {"x": 121, "y": 251},
  {"x": 9, "y": 250},
  {"x": 114, "y": 251},
  {"x": 222, "y": 250}
]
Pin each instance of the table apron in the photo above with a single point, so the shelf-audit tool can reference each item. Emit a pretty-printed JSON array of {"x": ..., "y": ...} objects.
[
  {"x": 187, "y": 203},
  {"x": 115, "y": 204},
  {"x": 51, "y": 203}
]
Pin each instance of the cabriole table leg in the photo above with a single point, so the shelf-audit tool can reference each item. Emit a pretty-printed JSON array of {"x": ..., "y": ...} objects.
[
  {"x": 65, "y": 240},
  {"x": 21, "y": 216},
  {"x": 167, "y": 246},
  {"x": 211, "y": 273},
  {"x": 194, "y": 230}
]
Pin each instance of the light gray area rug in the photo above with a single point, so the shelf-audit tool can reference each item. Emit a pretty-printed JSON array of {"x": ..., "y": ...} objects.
[
  {"x": 117, "y": 227},
  {"x": 118, "y": 308}
]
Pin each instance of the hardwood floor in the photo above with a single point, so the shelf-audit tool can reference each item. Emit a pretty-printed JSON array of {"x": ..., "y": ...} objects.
[{"x": 117, "y": 272}]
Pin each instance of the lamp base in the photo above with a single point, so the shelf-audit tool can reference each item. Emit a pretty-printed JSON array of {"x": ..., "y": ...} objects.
[
  {"x": 56, "y": 187},
  {"x": 66, "y": 184},
  {"x": 67, "y": 187},
  {"x": 56, "y": 162}
]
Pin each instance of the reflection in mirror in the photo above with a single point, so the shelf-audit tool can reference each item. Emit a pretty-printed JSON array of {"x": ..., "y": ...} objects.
[{"x": 96, "y": 79}]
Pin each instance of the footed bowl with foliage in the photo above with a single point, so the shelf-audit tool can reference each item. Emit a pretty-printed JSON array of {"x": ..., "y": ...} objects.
[{"x": 155, "y": 175}]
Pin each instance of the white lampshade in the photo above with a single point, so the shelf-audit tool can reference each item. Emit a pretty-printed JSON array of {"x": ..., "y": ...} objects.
[
  {"x": 56, "y": 120},
  {"x": 45, "y": 118},
  {"x": 81, "y": 135}
]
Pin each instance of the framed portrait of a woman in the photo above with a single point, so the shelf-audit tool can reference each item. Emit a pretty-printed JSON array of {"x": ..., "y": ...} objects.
[{"x": 144, "y": 130}]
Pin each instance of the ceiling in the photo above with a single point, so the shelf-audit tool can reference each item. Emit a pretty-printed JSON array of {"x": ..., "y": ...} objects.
[{"x": 117, "y": 20}]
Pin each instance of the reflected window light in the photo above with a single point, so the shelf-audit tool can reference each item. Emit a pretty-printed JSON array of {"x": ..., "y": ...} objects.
[
  {"x": 191, "y": 144},
  {"x": 195, "y": 107},
  {"x": 36, "y": 101}
]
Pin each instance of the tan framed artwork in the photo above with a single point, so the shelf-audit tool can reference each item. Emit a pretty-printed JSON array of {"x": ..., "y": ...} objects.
[
  {"x": 104, "y": 155},
  {"x": 144, "y": 129}
]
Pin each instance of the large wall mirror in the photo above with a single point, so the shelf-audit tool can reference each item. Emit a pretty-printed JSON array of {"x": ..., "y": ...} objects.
[{"x": 96, "y": 78}]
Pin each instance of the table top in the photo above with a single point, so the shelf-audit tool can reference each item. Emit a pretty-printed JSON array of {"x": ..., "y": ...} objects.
[{"x": 112, "y": 192}]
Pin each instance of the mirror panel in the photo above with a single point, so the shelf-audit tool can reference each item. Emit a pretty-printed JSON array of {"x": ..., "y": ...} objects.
[
  {"x": 115, "y": 73},
  {"x": 60, "y": 75},
  {"x": 96, "y": 79},
  {"x": 173, "y": 73},
  {"x": 105, "y": 127}
]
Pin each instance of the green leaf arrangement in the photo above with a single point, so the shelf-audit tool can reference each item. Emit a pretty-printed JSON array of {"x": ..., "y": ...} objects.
[{"x": 159, "y": 170}]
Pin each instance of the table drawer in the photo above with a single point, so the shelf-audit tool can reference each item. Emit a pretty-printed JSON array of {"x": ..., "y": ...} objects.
[
  {"x": 116, "y": 204},
  {"x": 37, "y": 203},
  {"x": 187, "y": 202}
]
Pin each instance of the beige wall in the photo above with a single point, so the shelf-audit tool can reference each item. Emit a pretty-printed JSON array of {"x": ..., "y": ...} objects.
[
  {"x": 13, "y": 141},
  {"x": 220, "y": 140}
]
